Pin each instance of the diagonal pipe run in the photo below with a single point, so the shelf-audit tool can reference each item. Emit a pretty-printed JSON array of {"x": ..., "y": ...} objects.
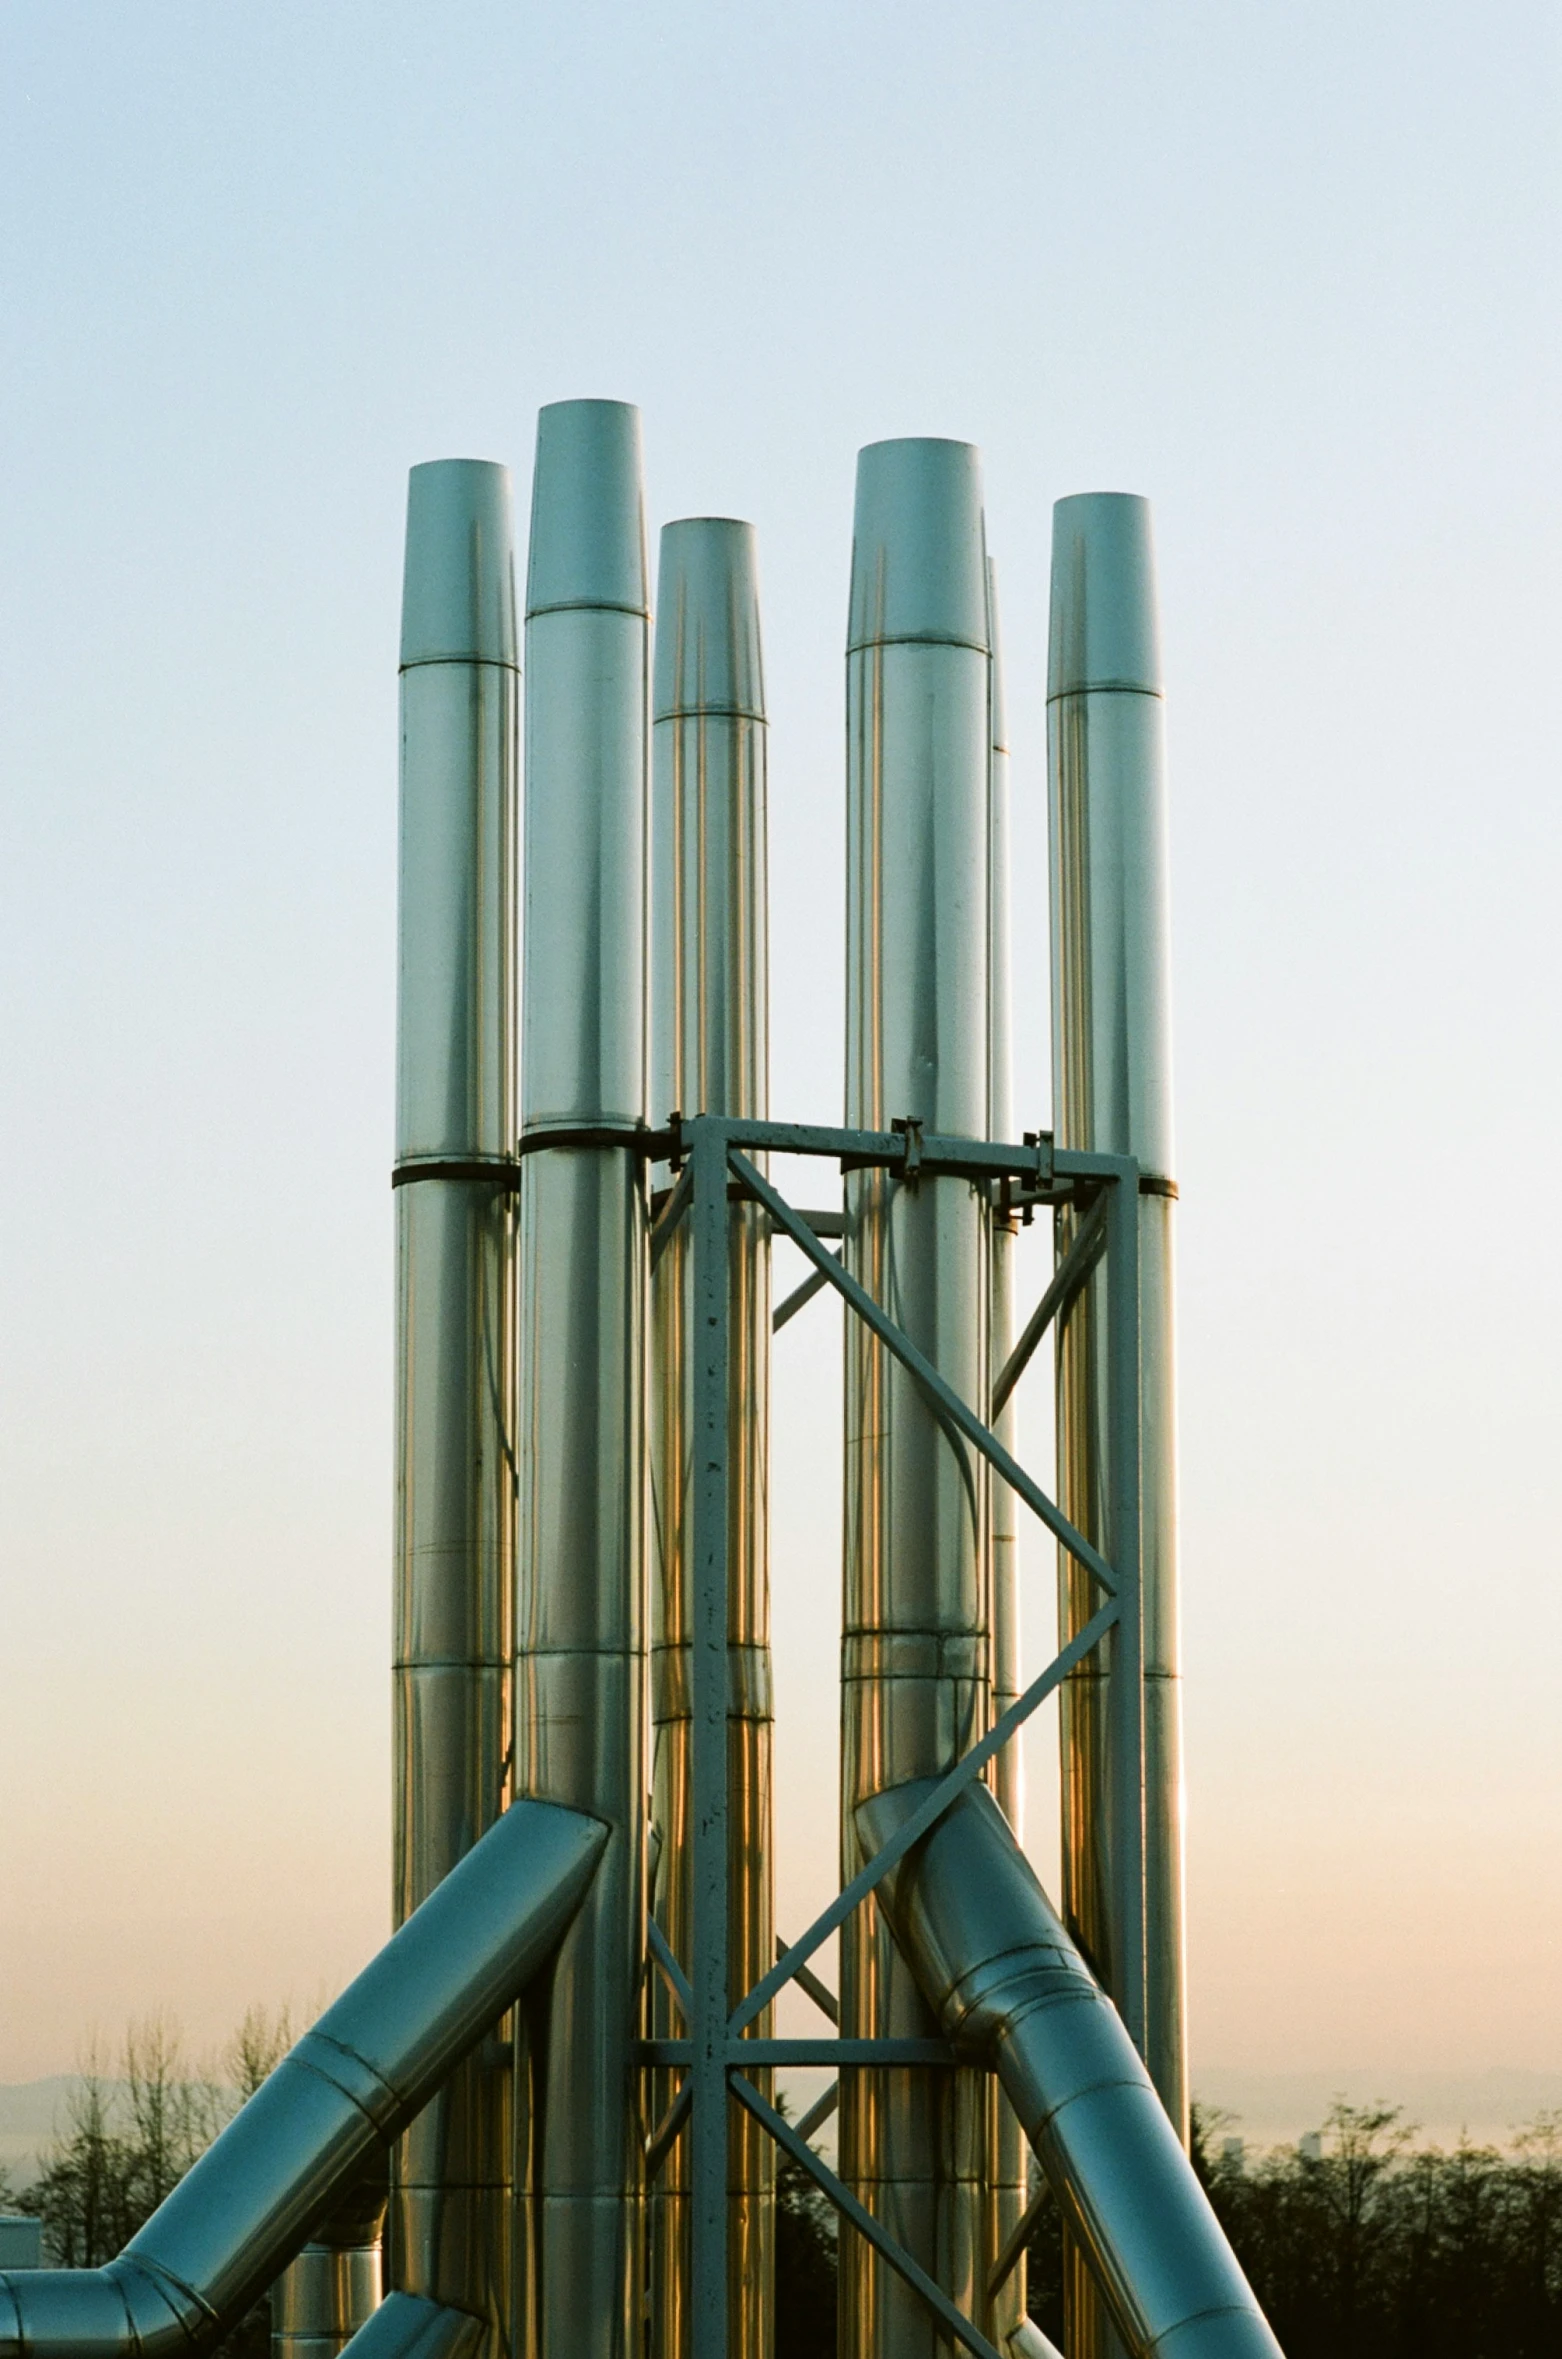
[{"x": 353, "y": 2083}]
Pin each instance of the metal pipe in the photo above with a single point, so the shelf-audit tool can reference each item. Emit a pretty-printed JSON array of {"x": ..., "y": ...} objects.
[
  {"x": 580, "y": 1664},
  {"x": 710, "y": 1055},
  {"x": 406, "y": 2326},
  {"x": 1008, "y": 1987},
  {"x": 335, "y": 2285},
  {"x": 1008, "y": 2189},
  {"x": 916, "y": 1648},
  {"x": 455, "y": 1318},
  {"x": 354, "y": 2082},
  {"x": 1112, "y": 1063}
]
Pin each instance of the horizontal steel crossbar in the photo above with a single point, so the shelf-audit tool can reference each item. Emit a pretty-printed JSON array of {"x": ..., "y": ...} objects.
[
  {"x": 926, "y": 1815},
  {"x": 922, "y": 1368},
  {"x": 863, "y": 2221}
]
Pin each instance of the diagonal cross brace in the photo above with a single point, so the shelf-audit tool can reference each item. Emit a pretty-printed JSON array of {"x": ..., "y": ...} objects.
[
  {"x": 945, "y": 1399},
  {"x": 970, "y": 1765},
  {"x": 953, "y": 2319}
]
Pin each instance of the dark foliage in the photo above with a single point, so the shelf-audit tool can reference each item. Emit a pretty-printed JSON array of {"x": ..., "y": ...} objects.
[
  {"x": 805, "y": 2266},
  {"x": 129, "y": 2140},
  {"x": 1371, "y": 2248}
]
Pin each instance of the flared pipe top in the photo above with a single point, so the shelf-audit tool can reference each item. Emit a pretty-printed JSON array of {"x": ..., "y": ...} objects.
[
  {"x": 707, "y": 634},
  {"x": 1106, "y": 629},
  {"x": 588, "y": 520},
  {"x": 458, "y": 591},
  {"x": 919, "y": 565}
]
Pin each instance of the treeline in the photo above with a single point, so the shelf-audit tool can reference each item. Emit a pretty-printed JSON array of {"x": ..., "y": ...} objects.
[
  {"x": 129, "y": 2136},
  {"x": 1360, "y": 2245},
  {"x": 1368, "y": 2248},
  {"x": 1371, "y": 2247}
]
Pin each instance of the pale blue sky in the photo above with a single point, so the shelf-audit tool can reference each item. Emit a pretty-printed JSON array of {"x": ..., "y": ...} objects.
[{"x": 1291, "y": 271}]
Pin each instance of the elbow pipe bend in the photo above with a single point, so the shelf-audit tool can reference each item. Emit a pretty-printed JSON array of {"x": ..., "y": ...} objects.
[
  {"x": 410, "y": 2326},
  {"x": 354, "y": 2082},
  {"x": 1010, "y": 1990}
]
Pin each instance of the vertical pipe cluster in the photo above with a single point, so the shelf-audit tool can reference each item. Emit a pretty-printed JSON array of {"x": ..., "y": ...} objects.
[
  {"x": 916, "y": 1644},
  {"x": 1009, "y": 2170},
  {"x": 710, "y": 1055},
  {"x": 455, "y": 1332},
  {"x": 1112, "y": 1081},
  {"x": 580, "y": 1654}
]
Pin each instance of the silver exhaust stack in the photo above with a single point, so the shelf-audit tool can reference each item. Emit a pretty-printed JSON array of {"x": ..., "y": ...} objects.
[
  {"x": 916, "y": 1665},
  {"x": 580, "y": 1720},
  {"x": 711, "y": 1056},
  {"x": 1112, "y": 1081},
  {"x": 452, "y": 2186},
  {"x": 1009, "y": 2178}
]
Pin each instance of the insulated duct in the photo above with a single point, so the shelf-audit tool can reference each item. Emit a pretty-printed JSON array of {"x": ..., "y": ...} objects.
[
  {"x": 353, "y": 2083},
  {"x": 1112, "y": 1091},
  {"x": 916, "y": 1666},
  {"x": 455, "y": 1329},
  {"x": 710, "y": 1032},
  {"x": 1010, "y": 1989},
  {"x": 580, "y": 1728},
  {"x": 1008, "y": 2176}
]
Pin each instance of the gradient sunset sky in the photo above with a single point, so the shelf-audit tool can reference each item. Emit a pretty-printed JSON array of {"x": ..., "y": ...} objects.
[{"x": 1293, "y": 272}]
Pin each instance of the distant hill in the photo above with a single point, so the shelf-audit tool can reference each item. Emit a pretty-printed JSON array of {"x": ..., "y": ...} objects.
[
  {"x": 1275, "y": 2108},
  {"x": 31, "y": 2113}
]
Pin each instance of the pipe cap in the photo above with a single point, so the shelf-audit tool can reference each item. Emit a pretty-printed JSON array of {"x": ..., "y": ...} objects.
[
  {"x": 588, "y": 510},
  {"x": 919, "y": 558},
  {"x": 1106, "y": 629},
  {"x": 458, "y": 593},
  {"x": 707, "y": 620}
]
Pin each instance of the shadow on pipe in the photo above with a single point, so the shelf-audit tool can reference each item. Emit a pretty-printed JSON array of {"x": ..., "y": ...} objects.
[
  {"x": 353, "y": 2083},
  {"x": 1009, "y": 1988}
]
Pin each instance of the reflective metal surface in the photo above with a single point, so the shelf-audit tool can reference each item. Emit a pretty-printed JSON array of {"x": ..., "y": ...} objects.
[
  {"x": 335, "y": 2285},
  {"x": 1112, "y": 1063},
  {"x": 916, "y": 1649},
  {"x": 580, "y": 1733},
  {"x": 1112, "y": 1082},
  {"x": 1008, "y": 2178},
  {"x": 455, "y": 1324},
  {"x": 1006, "y": 1984},
  {"x": 301, "y": 2144},
  {"x": 406, "y": 2326},
  {"x": 710, "y": 1054}
]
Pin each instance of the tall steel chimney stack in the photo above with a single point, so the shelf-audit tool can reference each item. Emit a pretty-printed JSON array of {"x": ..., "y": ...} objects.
[
  {"x": 916, "y": 1649},
  {"x": 1112, "y": 1085},
  {"x": 580, "y": 1734},
  {"x": 710, "y": 1029},
  {"x": 455, "y": 1319},
  {"x": 1009, "y": 2167}
]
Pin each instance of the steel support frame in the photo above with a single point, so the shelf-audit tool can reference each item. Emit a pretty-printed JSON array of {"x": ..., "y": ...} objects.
[{"x": 712, "y": 1153}]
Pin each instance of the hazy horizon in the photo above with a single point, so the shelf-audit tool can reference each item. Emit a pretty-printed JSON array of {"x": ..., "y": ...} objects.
[{"x": 1292, "y": 274}]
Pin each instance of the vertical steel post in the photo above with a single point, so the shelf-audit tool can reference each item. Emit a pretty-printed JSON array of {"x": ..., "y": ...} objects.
[
  {"x": 1010, "y": 2168},
  {"x": 710, "y": 1055},
  {"x": 1112, "y": 1084},
  {"x": 709, "y": 1967},
  {"x": 916, "y": 1646},
  {"x": 580, "y": 1665},
  {"x": 455, "y": 1332}
]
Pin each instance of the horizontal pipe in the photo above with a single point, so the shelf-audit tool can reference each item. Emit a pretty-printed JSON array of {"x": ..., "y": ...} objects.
[
  {"x": 354, "y": 2082},
  {"x": 1010, "y": 1989}
]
